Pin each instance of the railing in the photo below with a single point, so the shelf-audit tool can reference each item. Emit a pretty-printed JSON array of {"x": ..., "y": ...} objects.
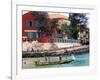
[{"x": 60, "y": 40}]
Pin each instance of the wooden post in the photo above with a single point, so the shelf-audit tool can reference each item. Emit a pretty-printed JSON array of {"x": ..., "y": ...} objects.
[
  {"x": 46, "y": 59},
  {"x": 60, "y": 58}
]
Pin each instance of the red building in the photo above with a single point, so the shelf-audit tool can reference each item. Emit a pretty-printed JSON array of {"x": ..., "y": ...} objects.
[{"x": 31, "y": 27}]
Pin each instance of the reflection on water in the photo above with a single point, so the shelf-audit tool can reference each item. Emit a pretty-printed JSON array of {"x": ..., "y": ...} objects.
[{"x": 80, "y": 60}]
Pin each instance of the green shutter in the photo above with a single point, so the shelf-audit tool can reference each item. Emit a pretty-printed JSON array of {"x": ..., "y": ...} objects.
[
  {"x": 37, "y": 23},
  {"x": 27, "y": 23},
  {"x": 32, "y": 23}
]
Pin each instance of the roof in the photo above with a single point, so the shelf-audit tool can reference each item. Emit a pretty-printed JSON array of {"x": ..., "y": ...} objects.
[
  {"x": 57, "y": 15},
  {"x": 50, "y": 15}
]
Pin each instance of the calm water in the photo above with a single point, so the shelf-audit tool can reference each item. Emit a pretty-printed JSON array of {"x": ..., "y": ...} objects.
[{"x": 81, "y": 60}]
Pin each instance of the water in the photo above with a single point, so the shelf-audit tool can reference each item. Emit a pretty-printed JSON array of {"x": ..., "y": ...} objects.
[{"x": 80, "y": 60}]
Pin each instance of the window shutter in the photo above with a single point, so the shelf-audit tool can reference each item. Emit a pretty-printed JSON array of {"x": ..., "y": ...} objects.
[{"x": 37, "y": 23}]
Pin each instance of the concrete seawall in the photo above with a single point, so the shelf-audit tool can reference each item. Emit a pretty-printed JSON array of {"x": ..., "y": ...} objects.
[{"x": 56, "y": 52}]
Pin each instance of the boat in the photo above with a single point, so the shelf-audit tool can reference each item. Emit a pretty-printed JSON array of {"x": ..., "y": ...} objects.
[{"x": 60, "y": 61}]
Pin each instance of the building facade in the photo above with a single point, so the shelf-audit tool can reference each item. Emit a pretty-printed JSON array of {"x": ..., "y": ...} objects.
[
  {"x": 31, "y": 27},
  {"x": 35, "y": 29}
]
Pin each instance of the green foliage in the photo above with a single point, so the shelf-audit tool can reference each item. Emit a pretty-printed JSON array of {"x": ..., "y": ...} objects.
[
  {"x": 65, "y": 28},
  {"x": 53, "y": 24},
  {"x": 40, "y": 15},
  {"x": 79, "y": 22},
  {"x": 44, "y": 28}
]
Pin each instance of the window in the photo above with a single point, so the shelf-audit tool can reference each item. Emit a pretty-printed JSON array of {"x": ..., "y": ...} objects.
[
  {"x": 43, "y": 23},
  {"x": 29, "y": 23},
  {"x": 33, "y": 34},
  {"x": 37, "y": 23},
  {"x": 39, "y": 34},
  {"x": 28, "y": 34}
]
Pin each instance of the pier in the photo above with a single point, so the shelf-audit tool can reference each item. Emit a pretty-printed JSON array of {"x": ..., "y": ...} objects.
[{"x": 56, "y": 52}]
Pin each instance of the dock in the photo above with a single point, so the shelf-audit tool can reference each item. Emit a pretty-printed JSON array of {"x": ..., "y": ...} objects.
[{"x": 56, "y": 52}]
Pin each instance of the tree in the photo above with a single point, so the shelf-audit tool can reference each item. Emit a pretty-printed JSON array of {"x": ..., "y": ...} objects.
[
  {"x": 79, "y": 22},
  {"x": 40, "y": 15},
  {"x": 54, "y": 23},
  {"x": 65, "y": 29}
]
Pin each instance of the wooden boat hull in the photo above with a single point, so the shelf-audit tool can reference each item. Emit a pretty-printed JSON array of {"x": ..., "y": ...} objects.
[{"x": 52, "y": 63}]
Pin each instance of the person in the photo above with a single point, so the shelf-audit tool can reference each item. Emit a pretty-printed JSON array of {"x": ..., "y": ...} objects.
[{"x": 60, "y": 58}]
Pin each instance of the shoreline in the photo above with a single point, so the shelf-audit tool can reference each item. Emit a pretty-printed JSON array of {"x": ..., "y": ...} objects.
[
  {"x": 57, "y": 52},
  {"x": 58, "y": 55}
]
